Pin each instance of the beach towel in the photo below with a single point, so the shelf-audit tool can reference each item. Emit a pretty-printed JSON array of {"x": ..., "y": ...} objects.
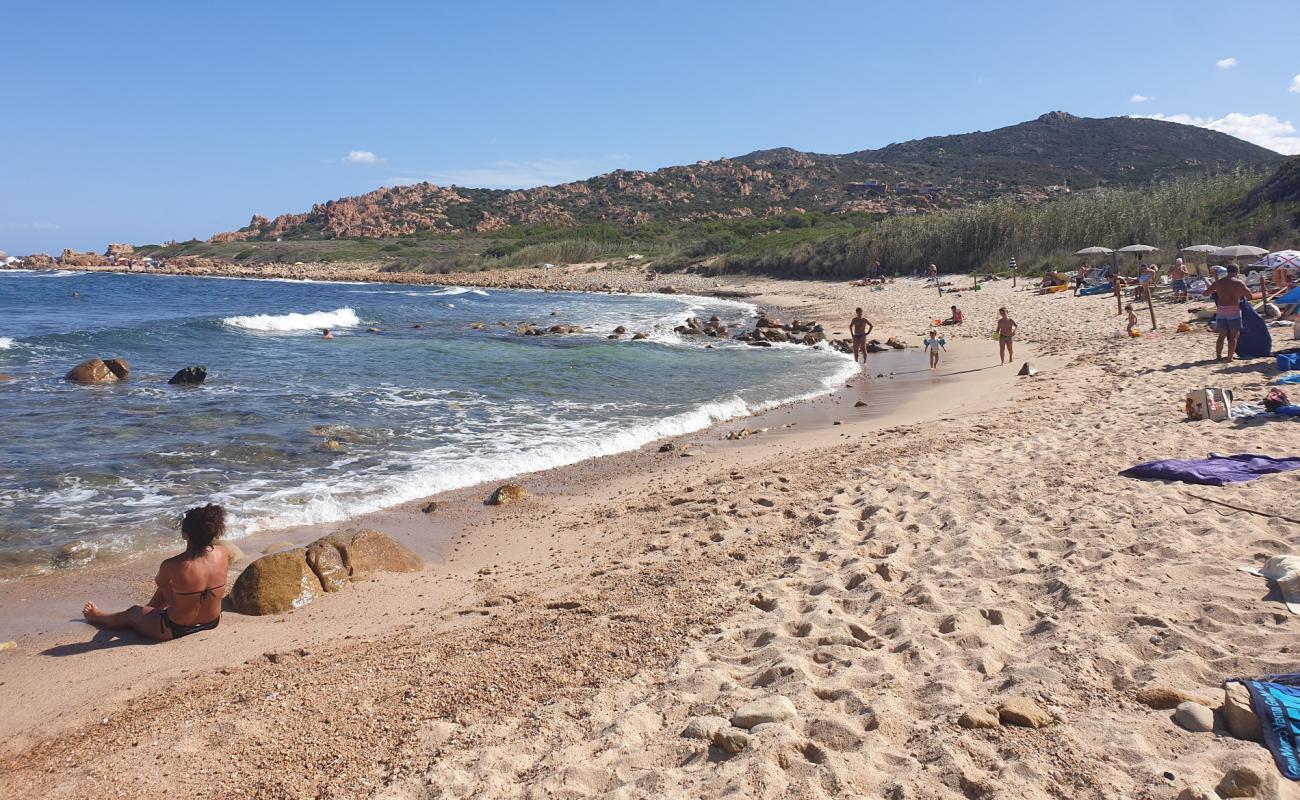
[
  {"x": 1290, "y": 377},
  {"x": 1255, "y": 340},
  {"x": 1276, "y": 701},
  {"x": 1217, "y": 470},
  {"x": 1288, "y": 361}
]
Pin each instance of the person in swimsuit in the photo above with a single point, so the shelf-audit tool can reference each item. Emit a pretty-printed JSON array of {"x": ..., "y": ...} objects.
[
  {"x": 1007, "y": 328},
  {"x": 1131, "y": 322},
  {"x": 190, "y": 585},
  {"x": 1228, "y": 292},
  {"x": 933, "y": 345},
  {"x": 1178, "y": 281},
  {"x": 860, "y": 326},
  {"x": 957, "y": 317}
]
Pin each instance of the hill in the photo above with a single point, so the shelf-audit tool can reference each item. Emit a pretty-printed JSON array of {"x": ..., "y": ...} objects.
[{"x": 1035, "y": 158}]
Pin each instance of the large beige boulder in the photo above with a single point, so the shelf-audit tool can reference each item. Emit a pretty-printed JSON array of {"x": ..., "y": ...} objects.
[
  {"x": 92, "y": 371},
  {"x": 326, "y": 560},
  {"x": 1242, "y": 721},
  {"x": 275, "y": 584},
  {"x": 367, "y": 552}
]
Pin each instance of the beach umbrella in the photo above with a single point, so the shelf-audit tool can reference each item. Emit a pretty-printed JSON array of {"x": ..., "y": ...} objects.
[
  {"x": 1094, "y": 251},
  {"x": 1282, "y": 258},
  {"x": 1138, "y": 248},
  {"x": 1239, "y": 251},
  {"x": 1204, "y": 250}
]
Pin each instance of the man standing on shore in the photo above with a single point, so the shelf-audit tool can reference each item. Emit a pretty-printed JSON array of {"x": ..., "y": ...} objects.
[
  {"x": 1007, "y": 328},
  {"x": 1228, "y": 292},
  {"x": 860, "y": 326}
]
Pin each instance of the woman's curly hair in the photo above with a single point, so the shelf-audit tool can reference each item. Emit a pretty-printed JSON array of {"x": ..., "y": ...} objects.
[{"x": 203, "y": 525}]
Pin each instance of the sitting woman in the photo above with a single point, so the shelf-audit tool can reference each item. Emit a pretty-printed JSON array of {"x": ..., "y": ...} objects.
[
  {"x": 190, "y": 585},
  {"x": 957, "y": 317}
]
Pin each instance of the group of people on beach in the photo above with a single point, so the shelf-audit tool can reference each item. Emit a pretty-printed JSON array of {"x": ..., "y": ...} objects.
[{"x": 934, "y": 344}]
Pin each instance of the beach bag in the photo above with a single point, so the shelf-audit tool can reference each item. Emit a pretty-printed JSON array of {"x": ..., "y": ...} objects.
[{"x": 1209, "y": 403}]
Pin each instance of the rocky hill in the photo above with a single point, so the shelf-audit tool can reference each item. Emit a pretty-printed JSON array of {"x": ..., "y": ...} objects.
[{"x": 1051, "y": 154}]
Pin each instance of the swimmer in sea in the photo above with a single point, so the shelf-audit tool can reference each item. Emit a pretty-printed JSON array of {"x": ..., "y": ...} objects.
[
  {"x": 860, "y": 326},
  {"x": 325, "y": 334}
]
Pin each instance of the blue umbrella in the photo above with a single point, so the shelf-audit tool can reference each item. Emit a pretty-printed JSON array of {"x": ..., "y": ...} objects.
[{"x": 1290, "y": 297}]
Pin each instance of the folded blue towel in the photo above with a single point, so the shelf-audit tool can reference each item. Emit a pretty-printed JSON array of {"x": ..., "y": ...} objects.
[{"x": 1216, "y": 470}]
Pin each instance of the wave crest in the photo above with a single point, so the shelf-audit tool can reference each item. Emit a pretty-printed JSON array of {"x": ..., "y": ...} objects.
[
  {"x": 338, "y": 318},
  {"x": 6, "y": 342}
]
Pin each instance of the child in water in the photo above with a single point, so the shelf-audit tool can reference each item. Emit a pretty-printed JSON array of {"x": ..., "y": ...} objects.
[
  {"x": 1131, "y": 323},
  {"x": 933, "y": 345}
]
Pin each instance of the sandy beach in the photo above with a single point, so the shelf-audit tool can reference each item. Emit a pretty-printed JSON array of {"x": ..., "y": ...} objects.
[{"x": 888, "y": 569}]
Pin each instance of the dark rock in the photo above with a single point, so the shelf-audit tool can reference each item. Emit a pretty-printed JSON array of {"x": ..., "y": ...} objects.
[
  {"x": 118, "y": 367},
  {"x": 191, "y": 376},
  {"x": 430, "y": 507},
  {"x": 1027, "y": 369}
]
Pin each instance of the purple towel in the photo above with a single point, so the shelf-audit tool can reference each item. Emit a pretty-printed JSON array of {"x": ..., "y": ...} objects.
[{"x": 1215, "y": 470}]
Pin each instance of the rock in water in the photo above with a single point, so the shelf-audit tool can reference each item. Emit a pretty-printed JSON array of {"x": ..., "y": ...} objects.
[
  {"x": 1027, "y": 369},
  {"x": 368, "y": 552},
  {"x": 92, "y": 371},
  {"x": 1238, "y": 713},
  {"x": 118, "y": 367},
  {"x": 775, "y": 708},
  {"x": 275, "y": 584},
  {"x": 1023, "y": 712},
  {"x": 190, "y": 376},
  {"x": 506, "y": 494},
  {"x": 326, "y": 562},
  {"x": 1194, "y": 717}
]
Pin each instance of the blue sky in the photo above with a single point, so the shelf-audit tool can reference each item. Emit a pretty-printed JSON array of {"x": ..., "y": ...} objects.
[{"x": 142, "y": 121}]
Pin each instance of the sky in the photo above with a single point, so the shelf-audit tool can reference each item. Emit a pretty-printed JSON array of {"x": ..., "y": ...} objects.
[{"x": 146, "y": 121}]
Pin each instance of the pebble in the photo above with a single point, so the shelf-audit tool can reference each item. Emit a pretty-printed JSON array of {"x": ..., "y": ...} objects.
[
  {"x": 704, "y": 727},
  {"x": 731, "y": 739},
  {"x": 774, "y": 708},
  {"x": 1160, "y": 697},
  {"x": 1023, "y": 712},
  {"x": 1194, "y": 717},
  {"x": 978, "y": 718}
]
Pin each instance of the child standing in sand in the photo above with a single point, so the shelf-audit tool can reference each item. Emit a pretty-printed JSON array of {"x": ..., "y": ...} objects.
[
  {"x": 1007, "y": 328},
  {"x": 933, "y": 345},
  {"x": 1131, "y": 323}
]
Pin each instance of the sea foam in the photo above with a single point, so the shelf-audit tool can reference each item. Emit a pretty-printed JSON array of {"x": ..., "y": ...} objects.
[
  {"x": 6, "y": 342},
  {"x": 338, "y": 318}
]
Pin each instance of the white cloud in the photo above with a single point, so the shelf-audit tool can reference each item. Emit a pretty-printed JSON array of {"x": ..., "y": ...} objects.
[
  {"x": 1264, "y": 130},
  {"x": 1295, "y": 84},
  {"x": 362, "y": 157},
  {"x": 33, "y": 226},
  {"x": 1226, "y": 63},
  {"x": 1140, "y": 98},
  {"x": 513, "y": 174}
]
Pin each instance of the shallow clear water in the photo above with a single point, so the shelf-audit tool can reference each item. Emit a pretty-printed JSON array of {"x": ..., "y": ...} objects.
[{"x": 413, "y": 410}]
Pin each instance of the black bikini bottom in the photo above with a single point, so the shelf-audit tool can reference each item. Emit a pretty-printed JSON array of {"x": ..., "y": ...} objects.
[{"x": 179, "y": 630}]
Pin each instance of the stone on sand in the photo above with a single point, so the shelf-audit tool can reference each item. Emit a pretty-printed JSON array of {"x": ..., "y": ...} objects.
[
  {"x": 326, "y": 561},
  {"x": 275, "y": 584},
  {"x": 1243, "y": 781},
  {"x": 1194, "y": 717},
  {"x": 1022, "y": 711},
  {"x": 704, "y": 727},
  {"x": 1027, "y": 369},
  {"x": 731, "y": 739},
  {"x": 9, "y": 645},
  {"x": 370, "y": 551},
  {"x": 506, "y": 494},
  {"x": 1238, "y": 713},
  {"x": 1161, "y": 697},
  {"x": 979, "y": 717},
  {"x": 773, "y": 708}
]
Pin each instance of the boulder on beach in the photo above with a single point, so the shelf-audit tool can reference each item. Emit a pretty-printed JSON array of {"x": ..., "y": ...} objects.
[
  {"x": 1238, "y": 713},
  {"x": 276, "y": 583},
  {"x": 118, "y": 367},
  {"x": 774, "y": 708},
  {"x": 367, "y": 552},
  {"x": 189, "y": 376},
  {"x": 93, "y": 370},
  {"x": 326, "y": 561},
  {"x": 506, "y": 494}
]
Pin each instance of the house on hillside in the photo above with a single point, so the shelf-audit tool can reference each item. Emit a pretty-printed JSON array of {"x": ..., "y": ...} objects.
[{"x": 871, "y": 186}]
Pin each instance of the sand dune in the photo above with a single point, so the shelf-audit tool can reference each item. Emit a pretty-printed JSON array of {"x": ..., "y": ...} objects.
[{"x": 886, "y": 581}]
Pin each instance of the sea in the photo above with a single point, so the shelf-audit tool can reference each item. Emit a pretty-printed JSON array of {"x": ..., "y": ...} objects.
[{"x": 291, "y": 428}]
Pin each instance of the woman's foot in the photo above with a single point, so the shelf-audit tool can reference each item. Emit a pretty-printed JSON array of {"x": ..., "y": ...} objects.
[{"x": 92, "y": 613}]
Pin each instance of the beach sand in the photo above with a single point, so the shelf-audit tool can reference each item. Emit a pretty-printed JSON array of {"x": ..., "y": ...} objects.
[{"x": 887, "y": 575}]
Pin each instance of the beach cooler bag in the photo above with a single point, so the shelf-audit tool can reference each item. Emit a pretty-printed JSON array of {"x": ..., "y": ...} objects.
[{"x": 1209, "y": 403}]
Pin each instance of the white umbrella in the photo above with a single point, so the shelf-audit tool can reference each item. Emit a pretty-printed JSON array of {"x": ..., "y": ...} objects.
[
  {"x": 1138, "y": 248},
  {"x": 1094, "y": 251},
  {"x": 1282, "y": 258},
  {"x": 1200, "y": 248},
  {"x": 1239, "y": 251}
]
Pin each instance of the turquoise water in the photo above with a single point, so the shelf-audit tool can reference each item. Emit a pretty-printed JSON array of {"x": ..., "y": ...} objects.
[{"x": 413, "y": 410}]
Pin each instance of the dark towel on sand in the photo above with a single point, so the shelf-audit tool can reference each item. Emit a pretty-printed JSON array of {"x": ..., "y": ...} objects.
[
  {"x": 1276, "y": 701},
  {"x": 1216, "y": 470}
]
